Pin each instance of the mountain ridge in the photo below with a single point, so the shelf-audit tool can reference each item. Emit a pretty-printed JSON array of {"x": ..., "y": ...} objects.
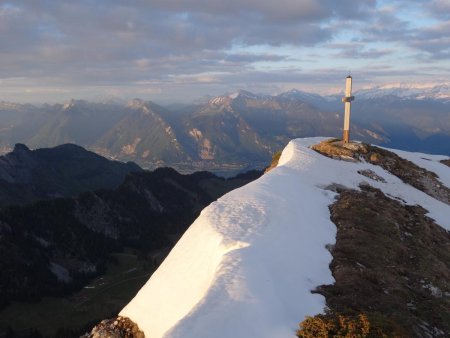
[
  {"x": 204, "y": 135},
  {"x": 267, "y": 247},
  {"x": 63, "y": 171}
]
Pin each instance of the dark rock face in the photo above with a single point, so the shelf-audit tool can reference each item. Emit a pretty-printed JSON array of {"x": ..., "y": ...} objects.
[
  {"x": 56, "y": 246},
  {"x": 372, "y": 175},
  {"x": 16, "y": 167},
  {"x": 119, "y": 327},
  {"x": 44, "y": 250},
  {"x": 391, "y": 262}
]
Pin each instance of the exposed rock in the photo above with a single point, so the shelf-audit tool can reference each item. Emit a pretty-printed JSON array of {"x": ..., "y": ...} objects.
[
  {"x": 391, "y": 262},
  {"x": 196, "y": 134},
  {"x": 16, "y": 167},
  {"x": 333, "y": 148},
  {"x": 119, "y": 327},
  {"x": 97, "y": 215},
  {"x": 336, "y": 187},
  {"x": 130, "y": 149},
  {"x": 206, "y": 150},
  {"x": 21, "y": 148},
  {"x": 407, "y": 171},
  {"x": 446, "y": 162},
  {"x": 372, "y": 175},
  {"x": 61, "y": 273}
]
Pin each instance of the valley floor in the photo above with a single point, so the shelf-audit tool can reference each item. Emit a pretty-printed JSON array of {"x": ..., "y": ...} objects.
[{"x": 73, "y": 315}]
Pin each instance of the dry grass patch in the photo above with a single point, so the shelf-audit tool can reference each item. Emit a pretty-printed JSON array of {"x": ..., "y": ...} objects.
[
  {"x": 408, "y": 172},
  {"x": 390, "y": 262},
  {"x": 274, "y": 162}
]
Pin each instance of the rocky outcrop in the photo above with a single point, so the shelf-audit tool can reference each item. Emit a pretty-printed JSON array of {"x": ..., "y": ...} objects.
[
  {"x": 391, "y": 262},
  {"x": 336, "y": 149},
  {"x": 16, "y": 167},
  {"x": 372, "y": 175},
  {"x": 407, "y": 171},
  {"x": 119, "y": 327}
]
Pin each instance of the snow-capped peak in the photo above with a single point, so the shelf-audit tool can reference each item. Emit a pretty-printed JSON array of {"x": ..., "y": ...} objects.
[
  {"x": 10, "y": 105},
  {"x": 239, "y": 94},
  {"x": 135, "y": 103},
  {"x": 234, "y": 95},
  {"x": 299, "y": 95},
  {"x": 220, "y": 100},
  {"x": 440, "y": 91},
  {"x": 68, "y": 105}
]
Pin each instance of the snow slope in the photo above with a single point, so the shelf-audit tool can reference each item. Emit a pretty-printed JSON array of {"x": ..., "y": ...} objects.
[{"x": 247, "y": 265}]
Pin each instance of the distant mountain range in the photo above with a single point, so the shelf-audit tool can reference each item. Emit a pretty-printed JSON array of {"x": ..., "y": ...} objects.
[
  {"x": 234, "y": 131},
  {"x": 420, "y": 91}
]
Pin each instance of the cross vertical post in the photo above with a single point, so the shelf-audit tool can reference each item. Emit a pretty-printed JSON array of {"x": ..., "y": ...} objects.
[{"x": 347, "y": 99}]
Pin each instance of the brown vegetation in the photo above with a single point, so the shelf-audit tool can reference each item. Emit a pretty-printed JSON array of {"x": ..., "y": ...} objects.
[
  {"x": 119, "y": 327},
  {"x": 274, "y": 162},
  {"x": 390, "y": 262},
  {"x": 407, "y": 171},
  {"x": 339, "y": 326},
  {"x": 333, "y": 148}
]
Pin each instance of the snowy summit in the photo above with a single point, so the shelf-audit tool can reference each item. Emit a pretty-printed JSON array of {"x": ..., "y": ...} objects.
[{"x": 246, "y": 267}]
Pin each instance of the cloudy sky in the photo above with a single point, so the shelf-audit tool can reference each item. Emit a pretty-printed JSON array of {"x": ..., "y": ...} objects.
[{"x": 182, "y": 49}]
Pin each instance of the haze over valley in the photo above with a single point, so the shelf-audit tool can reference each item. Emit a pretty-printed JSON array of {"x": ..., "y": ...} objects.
[{"x": 231, "y": 132}]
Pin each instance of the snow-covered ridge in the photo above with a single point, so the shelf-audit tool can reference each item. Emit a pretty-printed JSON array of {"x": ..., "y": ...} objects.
[
  {"x": 408, "y": 90},
  {"x": 416, "y": 91},
  {"x": 247, "y": 265},
  {"x": 295, "y": 94},
  {"x": 10, "y": 105},
  {"x": 239, "y": 94},
  {"x": 68, "y": 105},
  {"x": 136, "y": 103}
]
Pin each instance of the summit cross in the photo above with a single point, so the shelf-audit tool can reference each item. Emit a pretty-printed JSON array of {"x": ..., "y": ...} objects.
[{"x": 347, "y": 99}]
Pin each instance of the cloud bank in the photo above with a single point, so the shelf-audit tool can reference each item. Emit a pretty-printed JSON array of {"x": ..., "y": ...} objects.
[{"x": 52, "y": 50}]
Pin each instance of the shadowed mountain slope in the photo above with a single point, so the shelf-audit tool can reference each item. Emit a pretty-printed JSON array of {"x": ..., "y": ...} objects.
[{"x": 67, "y": 170}]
